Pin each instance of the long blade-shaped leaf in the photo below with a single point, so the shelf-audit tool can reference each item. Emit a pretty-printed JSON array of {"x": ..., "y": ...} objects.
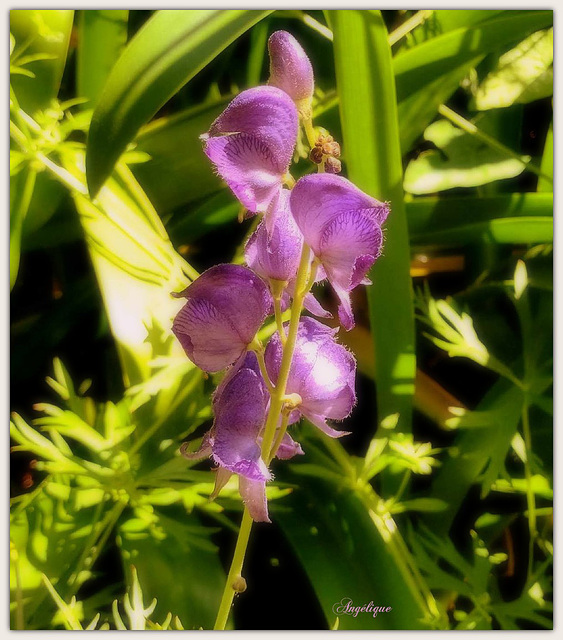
[
  {"x": 368, "y": 107},
  {"x": 103, "y": 34},
  {"x": 170, "y": 49}
]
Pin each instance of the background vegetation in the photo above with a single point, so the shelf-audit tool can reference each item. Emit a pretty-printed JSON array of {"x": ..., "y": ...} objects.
[{"x": 440, "y": 503}]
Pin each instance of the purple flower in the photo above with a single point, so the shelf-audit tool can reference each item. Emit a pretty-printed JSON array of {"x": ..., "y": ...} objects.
[
  {"x": 226, "y": 306},
  {"x": 240, "y": 406},
  {"x": 322, "y": 372},
  {"x": 251, "y": 144},
  {"x": 342, "y": 225},
  {"x": 290, "y": 68},
  {"x": 274, "y": 254}
]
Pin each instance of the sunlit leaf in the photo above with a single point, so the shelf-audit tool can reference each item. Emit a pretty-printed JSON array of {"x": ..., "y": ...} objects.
[
  {"x": 521, "y": 75},
  {"x": 461, "y": 161}
]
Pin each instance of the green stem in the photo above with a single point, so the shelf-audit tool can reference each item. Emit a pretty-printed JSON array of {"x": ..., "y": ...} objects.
[
  {"x": 259, "y": 351},
  {"x": 234, "y": 572},
  {"x": 470, "y": 128},
  {"x": 530, "y": 496},
  {"x": 404, "y": 482},
  {"x": 277, "y": 398},
  {"x": 279, "y": 437},
  {"x": 418, "y": 18},
  {"x": 400, "y": 552},
  {"x": 310, "y": 131},
  {"x": 279, "y": 321},
  {"x": 276, "y": 404}
]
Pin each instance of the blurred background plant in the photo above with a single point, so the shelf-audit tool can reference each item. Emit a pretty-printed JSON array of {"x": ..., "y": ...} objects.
[{"x": 440, "y": 503}]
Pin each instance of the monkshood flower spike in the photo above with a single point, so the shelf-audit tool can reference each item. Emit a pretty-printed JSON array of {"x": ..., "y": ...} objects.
[
  {"x": 342, "y": 226},
  {"x": 251, "y": 145},
  {"x": 322, "y": 373},
  {"x": 225, "y": 307},
  {"x": 319, "y": 228}
]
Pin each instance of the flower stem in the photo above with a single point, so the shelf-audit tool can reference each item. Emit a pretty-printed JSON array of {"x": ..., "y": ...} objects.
[
  {"x": 279, "y": 437},
  {"x": 279, "y": 321},
  {"x": 277, "y": 396},
  {"x": 276, "y": 401},
  {"x": 309, "y": 131},
  {"x": 234, "y": 571},
  {"x": 262, "y": 364}
]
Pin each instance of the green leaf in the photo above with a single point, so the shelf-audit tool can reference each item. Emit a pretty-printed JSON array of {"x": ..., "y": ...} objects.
[
  {"x": 366, "y": 86},
  {"x": 462, "y": 160},
  {"x": 428, "y": 74},
  {"x": 474, "y": 449},
  {"x": 185, "y": 579},
  {"x": 136, "y": 266},
  {"x": 178, "y": 171},
  {"x": 461, "y": 220},
  {"x": 45, "y": 33},
  {"x": 523, "y": 74},
  {"x": 547, "y": 162},
  {"x": 345, "y": 556},
  {"x": 102, "y": 35},
  {"x": 169, "y": 50},
  {"x": 21, "y": 193},
  {"x": 428, "y": 505}
]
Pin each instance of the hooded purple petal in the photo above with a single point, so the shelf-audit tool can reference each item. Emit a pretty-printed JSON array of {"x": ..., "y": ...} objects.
[
  {"x": 226, "y": 306},
  {"x": 253, "y": 494},
  {"x": 251, "y": 144},
  {"x": 288, "y": 448},
  {"x": 275, "y": 253},
  {"x": 290, "y": 68},
  {"x": 342, "y": 225},
  {"x": 240, "y": 413},
  {"x": 322, "y": 373}
]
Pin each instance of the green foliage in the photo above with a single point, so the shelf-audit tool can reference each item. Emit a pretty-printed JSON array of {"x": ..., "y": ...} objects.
[
  {"x": 522, "y": 75},
  {"x": 364, "y": 75},
  {"x": 169, "y": 50},
  {"x": 460, "y": 160},
  {"x": 110, "y": 526}
]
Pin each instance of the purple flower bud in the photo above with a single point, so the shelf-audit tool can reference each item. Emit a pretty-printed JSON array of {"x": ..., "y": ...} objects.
[
  {"x": 290, "y": 68},
  {"x": 322, "y": 372},
  {"x": 251, "y": 144},
  {"x": 274, "y": 254},
  {"x": 226, "y": 306},
  {"x": 342, "y": 225}
]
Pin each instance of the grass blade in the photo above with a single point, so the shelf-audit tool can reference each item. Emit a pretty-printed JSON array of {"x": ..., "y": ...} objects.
[
  {"x": 102, "y": 36},
  {"x": 368, "y": 108}
]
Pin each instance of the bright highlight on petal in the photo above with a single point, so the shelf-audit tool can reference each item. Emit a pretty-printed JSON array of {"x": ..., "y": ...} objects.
[{"x": 322, "y": 372}]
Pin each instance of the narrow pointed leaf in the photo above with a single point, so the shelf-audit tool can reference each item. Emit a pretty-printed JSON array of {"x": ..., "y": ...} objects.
[
  {"x": 368, "y": 107},
  {"x": 169, "y": 50}
]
